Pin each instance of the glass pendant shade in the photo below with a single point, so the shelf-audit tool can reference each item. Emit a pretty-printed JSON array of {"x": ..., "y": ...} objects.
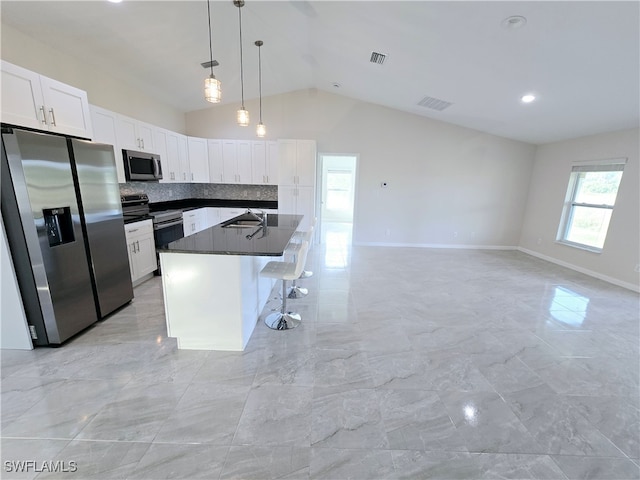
[
  {"x": 243, "y": 117},
  {"x": 212, "y": 89},
  {"x": 261, "y": 130}
]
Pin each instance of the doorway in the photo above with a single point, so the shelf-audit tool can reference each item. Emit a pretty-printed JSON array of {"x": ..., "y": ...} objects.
[{"x": 337, "y": 199}]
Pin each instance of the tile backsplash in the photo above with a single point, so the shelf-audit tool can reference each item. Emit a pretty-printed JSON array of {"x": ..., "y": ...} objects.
[{"x": 163, "y": 192}]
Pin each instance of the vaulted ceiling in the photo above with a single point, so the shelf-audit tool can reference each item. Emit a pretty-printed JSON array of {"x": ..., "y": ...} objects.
[{"x": 580, "y": 59}]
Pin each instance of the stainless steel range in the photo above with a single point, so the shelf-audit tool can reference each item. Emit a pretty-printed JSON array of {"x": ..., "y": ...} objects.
[
  {"x": 167, "y": 226},
  {"x": 135, "y": 207}
]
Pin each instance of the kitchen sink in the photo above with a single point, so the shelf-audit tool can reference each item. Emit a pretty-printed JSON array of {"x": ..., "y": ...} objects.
[
  {"x": 243, "y": 224},
  {"x": 246, "y": 220}
]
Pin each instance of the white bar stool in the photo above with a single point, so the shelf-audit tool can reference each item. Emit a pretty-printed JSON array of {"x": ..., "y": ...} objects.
[
  {"x": 301, "y": 235},
  {"x": 284, "y": 320},
  {"x": 295, "y": 291}
]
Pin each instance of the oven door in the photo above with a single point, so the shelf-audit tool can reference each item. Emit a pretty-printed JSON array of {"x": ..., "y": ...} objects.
[{"x": 168, "y": 232}]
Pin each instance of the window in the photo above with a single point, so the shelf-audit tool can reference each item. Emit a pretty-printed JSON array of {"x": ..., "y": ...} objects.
[
  {"x": 339, "y": 186},
  {"x": 591, "y": 195}
]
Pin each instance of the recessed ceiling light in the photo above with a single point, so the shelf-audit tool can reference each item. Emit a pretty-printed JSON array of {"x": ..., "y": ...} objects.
[
  {"x": 514, "y": 21},
  {"x": 528, "y": 98},
  {"x": 115, "y": 1}
]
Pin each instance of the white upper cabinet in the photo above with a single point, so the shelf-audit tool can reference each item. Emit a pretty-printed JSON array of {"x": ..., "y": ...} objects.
[
  {"x": 198, "y": 159},
  {"x": 135, "y": 135},
  {"x": 35, "y": 101},
  {"x": 264, "y": 163},
  {"x": 236, "y": 161},
  {"x": 216, "y": 164},
  {"x": 258, "y": 163},
  {"x": 170, "y": 170},
  {"x": 244, "y": 161},
  {"x": 272, "y": 163},
  {"x": 104, "y": 131},
  {"x": 229, "y": 161},
  {"x": 297, "y": 165},
  {"x": 183, "y": 156}
]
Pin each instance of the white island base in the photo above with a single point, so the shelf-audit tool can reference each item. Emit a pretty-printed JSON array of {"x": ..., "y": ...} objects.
[{"x": 212, "y": 302}]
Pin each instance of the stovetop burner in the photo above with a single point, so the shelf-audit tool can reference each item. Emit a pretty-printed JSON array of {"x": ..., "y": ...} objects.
[{"x": 135, "y": 207}]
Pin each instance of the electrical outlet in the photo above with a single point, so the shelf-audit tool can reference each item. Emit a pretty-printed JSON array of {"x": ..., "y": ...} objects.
[
  {"x": 637, "y": 269},
  {"x": 388, "y": 232},
  {"x": 455, "y": 234},
  {"x": 539, "y": 241}
]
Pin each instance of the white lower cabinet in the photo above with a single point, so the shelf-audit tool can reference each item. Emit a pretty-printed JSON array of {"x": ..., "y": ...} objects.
[
  {"x": 212, "y": 216},
  {"x": 297, "y": 201},
  {"x": 229, "y": 213},
  {"x": 141, "y": 248},
  {"x": 198, "y": 219},
  {"x": 191, "y": 222}
]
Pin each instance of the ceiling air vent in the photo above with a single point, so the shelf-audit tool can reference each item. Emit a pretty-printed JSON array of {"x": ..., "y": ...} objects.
[
  {"x": 434, "y": 103},
  {"x": 378, "y": 58}
]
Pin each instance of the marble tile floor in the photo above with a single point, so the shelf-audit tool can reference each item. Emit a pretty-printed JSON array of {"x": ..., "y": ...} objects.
[{"x": 410, "y": 363}]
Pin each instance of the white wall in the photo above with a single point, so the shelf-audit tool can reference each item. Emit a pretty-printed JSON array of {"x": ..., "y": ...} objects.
[
  {"x": 14, "y": 331},
  {"x": 448, "y": 185},
  {"x": 549, "y": 182},
  {"x": 103, "y": 89}
]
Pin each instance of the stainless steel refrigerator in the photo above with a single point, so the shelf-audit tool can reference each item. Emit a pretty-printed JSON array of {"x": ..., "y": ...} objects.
[{"x": 63, "y": 218}]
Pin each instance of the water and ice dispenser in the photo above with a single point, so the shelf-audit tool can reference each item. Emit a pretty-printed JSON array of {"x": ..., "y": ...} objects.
[{"x": 59, "y": 225}]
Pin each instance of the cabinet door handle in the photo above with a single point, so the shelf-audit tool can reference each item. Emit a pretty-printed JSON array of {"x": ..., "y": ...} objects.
[
  {"x": 142, "y": 140},
  {"x": 192, "y": 177},
  {"x": 53, "y": 117},
  {"x": 138, "y": 244},
  {"x": 131, "y": 231},
  {"x": 44, "y": 115}
]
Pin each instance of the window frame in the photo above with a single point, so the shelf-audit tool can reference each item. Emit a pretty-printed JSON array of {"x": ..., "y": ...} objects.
[{"x": 570, "y": 203}]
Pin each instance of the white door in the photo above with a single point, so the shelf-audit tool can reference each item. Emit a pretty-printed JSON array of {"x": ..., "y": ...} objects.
[{"x": 337, "y": 194}]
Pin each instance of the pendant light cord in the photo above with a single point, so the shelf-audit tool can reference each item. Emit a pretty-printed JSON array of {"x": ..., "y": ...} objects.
[
  {"x": 260, "y": 78},
  {"x": 241, "y": 69},
  {"x": 210, "y": 48}
]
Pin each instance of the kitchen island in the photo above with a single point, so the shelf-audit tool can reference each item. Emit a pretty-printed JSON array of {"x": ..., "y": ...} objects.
[{"x": 213, "y": 291}]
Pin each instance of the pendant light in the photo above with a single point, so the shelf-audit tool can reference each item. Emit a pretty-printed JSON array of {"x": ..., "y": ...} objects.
[
  {"x": 212, "y": 86},
  {"x": 261, "y": 131},
  {"x": 243, "y": 114}
]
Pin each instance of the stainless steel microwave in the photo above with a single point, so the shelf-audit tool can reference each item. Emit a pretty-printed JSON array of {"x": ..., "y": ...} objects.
[{"x": 141, "y": 166}]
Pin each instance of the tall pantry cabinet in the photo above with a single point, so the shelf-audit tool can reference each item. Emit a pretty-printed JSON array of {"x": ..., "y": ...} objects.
[{"x": 297, "y": 179}]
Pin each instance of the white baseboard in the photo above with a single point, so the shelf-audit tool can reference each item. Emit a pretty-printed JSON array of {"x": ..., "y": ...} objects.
[
  {"x": 591, "y": 273},
  {"x": 436, "y": 245}
]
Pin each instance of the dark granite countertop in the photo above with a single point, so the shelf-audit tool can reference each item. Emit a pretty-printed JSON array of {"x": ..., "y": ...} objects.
[
  {"x": 264, "y": 241},
  {"x": 191, "y": 203}
]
